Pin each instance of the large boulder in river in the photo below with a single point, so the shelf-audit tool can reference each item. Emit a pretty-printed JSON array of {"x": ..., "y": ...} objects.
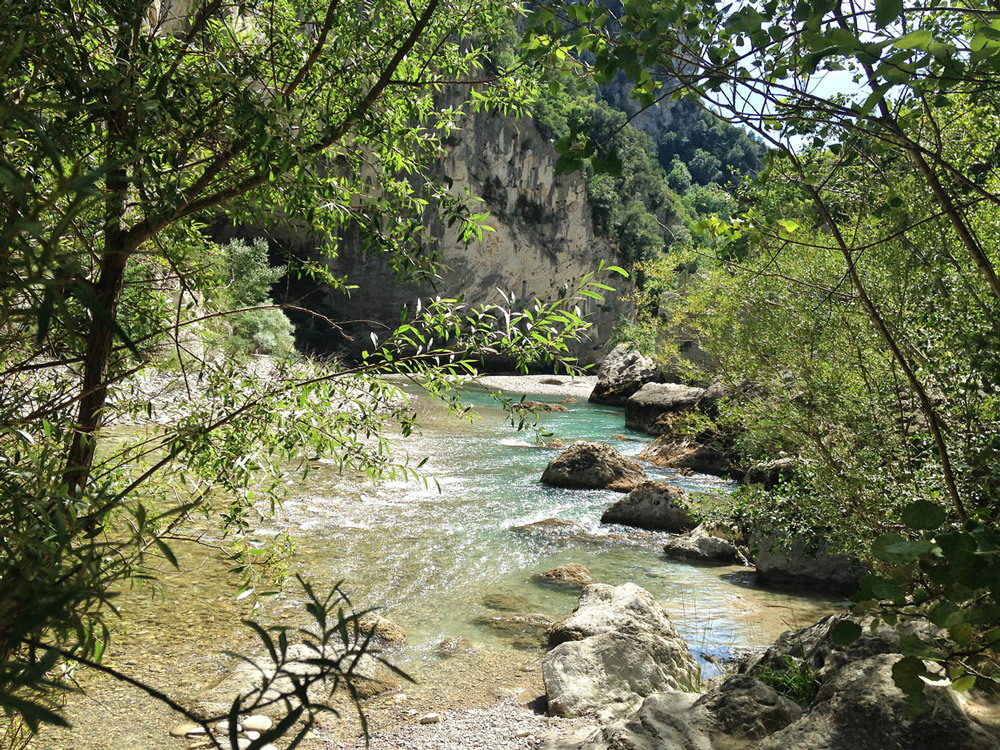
[
  {"x": 617, "y": 647},
  {"x": 706, "y": 453},
  {"x": 703, "y": 544},
  {"x": 655, "y": 506},
  {"x": 802, "y": 563},
  {"x": 602, "y": 608},
  {"x": 647, "y": 409},
  {"x": 622, "y": 373},
  {"x": 594, "y": 466}
]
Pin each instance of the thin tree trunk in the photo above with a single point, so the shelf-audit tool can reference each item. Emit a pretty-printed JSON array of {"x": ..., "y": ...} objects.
[
  {"x": 950, "y": 210},
  {"x": 876, "y": 317},
  {"x": 100, "y": 341}
]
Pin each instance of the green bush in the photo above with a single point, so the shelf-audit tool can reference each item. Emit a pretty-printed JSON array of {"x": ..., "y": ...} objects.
[
  {"x": 262, "y": 332},
  {"x": 797, "y": 681},
  {"x": 245, "y": 280},
  {"x": 249, "y": 277}
]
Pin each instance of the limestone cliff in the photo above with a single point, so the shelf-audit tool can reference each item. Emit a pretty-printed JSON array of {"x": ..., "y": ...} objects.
[{"x": 543, "y": 242}]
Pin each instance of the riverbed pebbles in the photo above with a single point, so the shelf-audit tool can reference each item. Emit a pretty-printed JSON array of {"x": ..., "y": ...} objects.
[{"x": 505, "y": 725}]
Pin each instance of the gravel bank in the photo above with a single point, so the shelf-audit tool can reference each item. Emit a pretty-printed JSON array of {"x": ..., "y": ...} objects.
[
  {"x": 506, "y": 725},
  {"x": 541, "y": 385}
]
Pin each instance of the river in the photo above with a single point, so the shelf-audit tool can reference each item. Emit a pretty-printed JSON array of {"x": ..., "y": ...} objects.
[{"x": 444, "y": 559}]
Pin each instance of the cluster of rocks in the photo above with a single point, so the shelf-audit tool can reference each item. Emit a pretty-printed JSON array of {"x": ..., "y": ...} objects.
[
  {"x": 248, "y": 730},
  {"x": 620, "y": 661},
  {"x": 656, "y": 506},
  {"x": 628, "y": 379}
]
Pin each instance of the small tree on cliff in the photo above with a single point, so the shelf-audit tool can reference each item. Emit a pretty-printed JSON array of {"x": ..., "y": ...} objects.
[{"x": 126, "y": 126}]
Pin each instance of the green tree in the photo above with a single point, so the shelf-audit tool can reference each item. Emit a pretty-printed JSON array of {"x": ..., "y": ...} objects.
[
  {"x": 126, "y": 127},
  {"x": 885, "y": 255}
]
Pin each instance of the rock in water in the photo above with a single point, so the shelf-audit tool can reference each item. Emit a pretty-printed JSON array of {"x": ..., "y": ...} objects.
[
  {"x": 594, "y": 466},
  {"x": 708, "y": 452},
  {"x": 627, "y": 609},
  {"x": 570, "y": 573},
  {"x": 622, "y": 373},
  {"x": 654, "y": 506},
  {"x": 704, "y": 545},
  {"x": 382, "y": 629},
  {"x": 801, "y": 564},
  {"x": 454, "y": 646},
  {"x": 537, "y": 406},
  {"x": 645, "y": 407}
]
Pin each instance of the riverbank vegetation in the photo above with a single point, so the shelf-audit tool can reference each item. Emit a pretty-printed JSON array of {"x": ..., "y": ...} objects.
[
  {"x": 127, "y": 128},
  {"x": 852, "y": 299}
]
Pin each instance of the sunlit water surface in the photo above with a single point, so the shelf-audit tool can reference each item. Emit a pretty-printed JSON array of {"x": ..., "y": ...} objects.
[
  {"x": 442, "y": 563},
  {"x": 445, "y": 558}
]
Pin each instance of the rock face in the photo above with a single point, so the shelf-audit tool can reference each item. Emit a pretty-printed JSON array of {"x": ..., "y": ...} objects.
[
  {"x": 594, "y": 466},
  {"x": 622, "y": 373},
  {"x": 858, "y": 707},
  {"x": 617, "y": 648},
  {"x": 646, "y": 409},
  {"x": 543, "y": 242},
  {"x": 736, "y": 713},
  {"x": 703, "y": 545},
  {"x": 796, "y": 563},
  {"x": 655, "y": 506}
]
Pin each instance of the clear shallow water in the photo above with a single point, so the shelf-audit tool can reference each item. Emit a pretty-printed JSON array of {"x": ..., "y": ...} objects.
[{"x": 441, "y": 563}]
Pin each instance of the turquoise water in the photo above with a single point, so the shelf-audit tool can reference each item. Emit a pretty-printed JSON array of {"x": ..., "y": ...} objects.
[{"x": 442, "y": 562}]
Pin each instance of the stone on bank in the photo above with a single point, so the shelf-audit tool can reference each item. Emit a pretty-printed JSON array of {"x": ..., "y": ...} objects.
[
  {"x": 623, "y": 372},
  {"x": 617, "y": 647}
]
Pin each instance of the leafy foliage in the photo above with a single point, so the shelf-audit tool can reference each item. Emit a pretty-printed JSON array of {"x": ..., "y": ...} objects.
[
  {"x": 855, "y": 295},
  {"x": 126, "y": 128}
]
